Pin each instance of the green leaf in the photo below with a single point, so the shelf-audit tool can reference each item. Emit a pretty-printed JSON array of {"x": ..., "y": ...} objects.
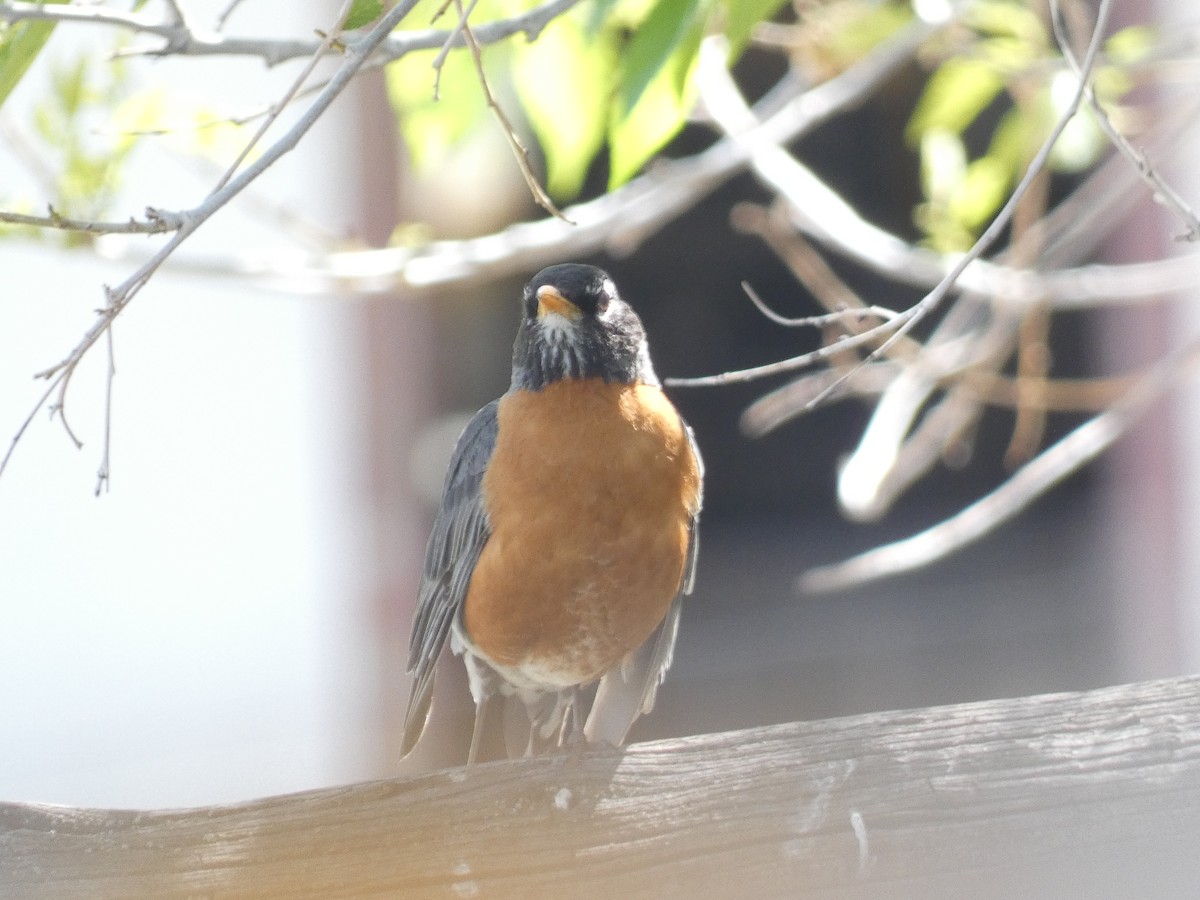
[
  {"x": 984, "y": 188},
  {"x": 597, "y": 15},
  {"x": 1007, "y": 18},
  {"x": 70, "y": 85},
  {"x": 1130, "y": 45},
  {"x": 563, "y": 80},
  {"x": 654, "y": 43},
  {"x": 859, "y": 28},
  {"x": 954, "y": 96},
  {"x": 740, "y": 18},
  {"x": 659, "y": 113},
  {"x": 362, "y": 12},
  {"x": 943, "y": 164},
  {"x": 19, "y": 46},
  {"x": 1081, "y": 141},
  {"x": 433, "y": 126}
]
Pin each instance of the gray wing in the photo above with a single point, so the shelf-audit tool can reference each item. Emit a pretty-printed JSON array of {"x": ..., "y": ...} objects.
[
  {"x": 459, "y": 533},
  {"x": 628, "y": 691}
]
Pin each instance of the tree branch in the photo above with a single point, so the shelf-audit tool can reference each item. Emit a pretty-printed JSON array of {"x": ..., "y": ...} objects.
[
  {"x": 1024, "y": 486},
  {"x": 156, "y": 222},
  {"x": 617, "y": 221},
  {"x": 123, "y": 294},
  {"x": 181, "y": 39}
]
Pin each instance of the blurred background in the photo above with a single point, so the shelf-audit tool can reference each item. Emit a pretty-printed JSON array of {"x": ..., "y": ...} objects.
[{"x": 231, "y": 619}]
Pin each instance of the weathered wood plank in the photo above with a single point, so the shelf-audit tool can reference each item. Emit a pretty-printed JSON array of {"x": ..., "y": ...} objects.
[{"x": 1093, "y": 794}]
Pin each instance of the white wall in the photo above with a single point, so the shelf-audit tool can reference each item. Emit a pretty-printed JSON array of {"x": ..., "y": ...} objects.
[{"x": 197, "y": 634}]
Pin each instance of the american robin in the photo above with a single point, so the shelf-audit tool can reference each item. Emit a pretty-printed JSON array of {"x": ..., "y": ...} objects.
[{"x": 566, "y": 536}]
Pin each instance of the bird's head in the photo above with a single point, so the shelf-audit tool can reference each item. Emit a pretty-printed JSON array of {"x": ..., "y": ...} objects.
[{"x": 575, "y": 325}]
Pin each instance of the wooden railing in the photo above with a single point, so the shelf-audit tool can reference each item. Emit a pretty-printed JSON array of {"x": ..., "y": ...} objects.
[{"x": 1082, "y": 795}]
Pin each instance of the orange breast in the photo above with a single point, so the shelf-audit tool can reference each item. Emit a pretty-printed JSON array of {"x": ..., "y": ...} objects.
[{"x": 590, "y": 490}]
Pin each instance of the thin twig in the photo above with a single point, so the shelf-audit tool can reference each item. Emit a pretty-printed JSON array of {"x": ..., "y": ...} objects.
[
  {"x": 1162, "y": 192},
  {"x": 520, "y": 152},
  {"x": 123, "y": 294},
  {"x": 38, "y": 405},
  {"x": 103, "y": 479},
  {"x": 183, "y": 41},
  {"x": 868, "y": 338},
  {"x": 619, "y": 220},
  {"x": 854, "y": 315},
  {"x": 331, "y": 38},
  {"x": 156, "y": 222},
  {"x": 927, "y": 304},
  {"x": 457, "y": 34},
  {"x": 724, "y": 101}
]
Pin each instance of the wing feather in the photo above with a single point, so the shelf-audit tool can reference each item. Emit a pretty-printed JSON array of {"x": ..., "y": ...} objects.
[{"x": 459, "y": 533}]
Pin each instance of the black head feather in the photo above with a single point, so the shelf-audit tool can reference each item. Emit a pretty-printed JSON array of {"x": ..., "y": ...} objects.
[{"x": 602, "y": 338}]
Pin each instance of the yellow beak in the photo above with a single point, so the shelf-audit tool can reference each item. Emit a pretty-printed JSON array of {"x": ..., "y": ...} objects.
[{"x": 551, "y": 301}]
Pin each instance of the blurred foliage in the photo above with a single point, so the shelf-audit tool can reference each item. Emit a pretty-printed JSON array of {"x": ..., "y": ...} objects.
[
  {"x": 831, "y": 36},
  {"x": 20, "y": 43},
  {"x": 84, "y": 130},
  {"x": 610, "y": 83},
  {"x": 79, "y": 136},
  {"x": 610, "y": 74},
  {"x": 362, "y": 13},
  {"x": 1001, "y": 82}
]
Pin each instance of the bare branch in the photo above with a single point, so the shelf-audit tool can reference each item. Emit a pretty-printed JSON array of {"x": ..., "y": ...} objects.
[
  {"x": 1162, "y": 191},
  {"x": 123, "y": 294},
  {"x": 848, "y": 317},
  {"x": 175, "y": 13},
  {"x": 991, "y": 234},
  {"x": 96, "y": 15},
  {"x": 724, "y": 101},
  {"x": 617, "y": 221},
  {"x": 156, "y": 222},
  {"x": 103, "y": 481},
  {"x": 182, "y": 40},
  {"x": 871, "y": 338},
  {"x": 278, "y": 107},
  {"x": 1025, "y": 485}
]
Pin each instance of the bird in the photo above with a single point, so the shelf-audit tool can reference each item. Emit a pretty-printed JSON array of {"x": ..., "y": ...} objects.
[{"x": 567, "y": 533}]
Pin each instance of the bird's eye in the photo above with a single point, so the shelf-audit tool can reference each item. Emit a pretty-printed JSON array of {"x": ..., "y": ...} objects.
[
  {"x": 607, "y": 291},
  {"x": 530, "y": 301}
]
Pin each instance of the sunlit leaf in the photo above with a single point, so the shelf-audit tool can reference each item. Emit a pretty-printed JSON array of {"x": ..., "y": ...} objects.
[
  {"x": 1015, "y": 141},
  {"x": 659, "y": 114},
  {"x": 20, "y": 44},
  {"x": 653, "y": 45},
  {"x": 943, "y": 164},
  {"x": 564, "y": 80},
  {"x": 960, "y": 89},
  {"x": 70, "y": 84},
  {"x": 136, "y": 114},
  {"x": 1081, "y": 140},
  {"x": 983, "y": 190},
  {"x": 432, "y": 126},
  {"x": 1130, "y": 45},
  {"x": 943, "y": 172},
  {"x": 740, "y": 17},
  {"x": 1007, "y": 17},
  {"x": 864, "y": 27},
  {"x": 362, "y": 12},
  {"x": 211, "y": 135}
]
